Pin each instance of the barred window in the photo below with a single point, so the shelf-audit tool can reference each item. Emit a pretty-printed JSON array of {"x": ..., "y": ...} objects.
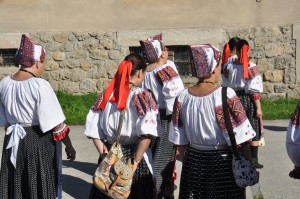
[
  {"x": 178, "y": 54},
  {"x": 7, "y": 57}
]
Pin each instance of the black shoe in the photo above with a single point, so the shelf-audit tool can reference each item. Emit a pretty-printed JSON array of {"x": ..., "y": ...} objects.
[{"x": 256, "y": 164}]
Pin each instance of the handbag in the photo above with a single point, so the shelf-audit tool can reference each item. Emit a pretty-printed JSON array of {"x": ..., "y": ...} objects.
[
  {"x": 113, "y": 176},
  {"x": 244, "y": 171}
]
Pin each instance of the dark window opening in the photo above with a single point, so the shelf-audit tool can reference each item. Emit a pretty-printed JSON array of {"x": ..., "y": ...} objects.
[
  {"x": 178, "y": 54},
  {"x": 7, "y": 57}
]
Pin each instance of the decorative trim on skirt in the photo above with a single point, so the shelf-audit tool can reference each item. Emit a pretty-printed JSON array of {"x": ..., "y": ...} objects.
[
  {"x": 208, "y": 175},
  {"x": 143, "y": 185},
  {"x": 250, "y": 109},
  {"x": 164, "y": 159},
  {"x": 35, "y": 176}
]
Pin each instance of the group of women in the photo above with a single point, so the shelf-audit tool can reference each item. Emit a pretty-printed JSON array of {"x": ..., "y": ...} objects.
[{"x": 161, "y": 118}]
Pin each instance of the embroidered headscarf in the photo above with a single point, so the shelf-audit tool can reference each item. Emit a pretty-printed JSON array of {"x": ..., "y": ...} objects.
[
  {"x": 29, "y": 52},
  {"x": 226, "y": 53},
  {"x": 152, "y": 48},
  {"x": 118, "y": 87},
  {"x": 244, "y": 59},
  {"x": 204, "y": 59}
]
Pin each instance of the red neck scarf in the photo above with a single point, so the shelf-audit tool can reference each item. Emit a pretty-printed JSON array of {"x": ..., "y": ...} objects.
[
  {"x": 119, "y": 86},
  {"x": 244, "y": 59},
  {"x": 226, "y": 53}
]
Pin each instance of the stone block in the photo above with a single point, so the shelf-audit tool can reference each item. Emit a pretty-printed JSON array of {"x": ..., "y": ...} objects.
[
  {"x": 58, "y": 56},
  {"x": 275, "y": 96},
  {"x": 98, "y": 54},
  {"x": 46, "y": 37},
  {"x": 260, "y": 41},
  {"x": 257, "y": 52},
  {"x": 273, "y": 76},
  {"x": 265, "y": 64},
  {"x": 280, "y": 88},
  {"x": 67, "y": 47},
  {"x": 97, "y": 72},
  {"x": 61, "y": 37},
  {"x": 283, "y": 62},
  {"x": 106, "y": 43},
  {"x": 87, "y": 86},
  {"x": 73, "y": 63},
  {"x": 294, "y": 93},
  {"x": 114, "y": 55},
  {"x": 69, "y": 87},
  {"x": 76, "y": 54},
  {"x": 85, "y": 65},
  {"x": 54, "y": 75},
  {"x": 102, "y": 84},
  {"x": 271, "y": 31},
  {"x": 65, "y": 74},
  {"x": 77, "y": 75},
  {"x": 268, "y": 87},
  {"x": 51, "y": 65},
  {"x": 278, "y": 49},
  {"x": 81, "y": 35},
  {"x": 52, "y": 46},
  {"x": 290, "y": 76},
  {"x": 90, "y": 44}
]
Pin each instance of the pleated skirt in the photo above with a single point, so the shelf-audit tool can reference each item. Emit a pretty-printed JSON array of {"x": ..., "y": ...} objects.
[
  {"x": 208, "y": 175},
  {"x": 164, "y": 161},
  {"x": 143, "y": 185},
  {"x": 35, "y": 175},
  {"x": 250, "y": 109}
]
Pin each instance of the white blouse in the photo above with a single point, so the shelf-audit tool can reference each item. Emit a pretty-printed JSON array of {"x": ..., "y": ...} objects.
[
  {"x": 293, "y": 137},
  {"x": 141, "y": 118},
  {"x": 233, "y": 76},
  {"x": 165, "y": 83},
  {"x": 199, "y": 120},
  {"x": 29, "y": 102}
]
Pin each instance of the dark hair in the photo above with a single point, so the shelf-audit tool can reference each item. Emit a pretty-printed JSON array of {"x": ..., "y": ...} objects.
[
  {"x": 233, "y": 42},
  {"x": 138, "y": 63},
  {"x": 240, "y": 44}
]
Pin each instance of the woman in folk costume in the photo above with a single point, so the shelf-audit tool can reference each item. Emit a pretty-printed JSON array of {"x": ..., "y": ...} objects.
[
  {"x": 141, "y": 123},
  {"x": 229, "y": 51},
  {"x": 34, "y": 124},
  {"x": 244, "y": 77},
  {"x": 163, "y": 80},
  {"x": 293, "y": 142},
  {"x": 199, "y": 130}
]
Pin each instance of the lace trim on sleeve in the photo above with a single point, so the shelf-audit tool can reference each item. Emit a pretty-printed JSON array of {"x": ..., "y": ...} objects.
[{"x": 60, "y": 131}]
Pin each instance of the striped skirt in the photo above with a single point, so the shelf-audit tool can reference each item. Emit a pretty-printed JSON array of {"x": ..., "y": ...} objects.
[
  {"x": 208, "y": 175},
  {"x": 250, "y": 109},
  {"x": 164, "y": 160},
  {"x": 142, "y": 184},
  {"x": 35, "y": 176}
]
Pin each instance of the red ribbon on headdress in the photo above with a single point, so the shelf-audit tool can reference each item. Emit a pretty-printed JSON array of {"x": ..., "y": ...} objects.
[
  {"x": 226, "y": 53},
  {"x": 244, "y": 59},
  {"x": 119, "y": 86}
]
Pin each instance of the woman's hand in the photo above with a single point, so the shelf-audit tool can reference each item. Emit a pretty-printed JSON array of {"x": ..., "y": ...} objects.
[
  {"x": 71, "y": 153},
  {"x": 259, "y": 113}
]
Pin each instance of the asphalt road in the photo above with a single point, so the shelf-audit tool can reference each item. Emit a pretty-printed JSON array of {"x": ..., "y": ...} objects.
[{"x": 274, "y": 179}]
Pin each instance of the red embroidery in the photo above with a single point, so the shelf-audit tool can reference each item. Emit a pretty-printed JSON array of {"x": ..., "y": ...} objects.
[
  {"x": 256, "y": 96},
  {"x": 96, "y": 106},
  {"x": 253, "y": 72},
  {"x": 236, "y": 111},
  {"x": 144, "y": 102},
  {"x": 166, "y": 74},
  {"x": 59, "y": 133},
  {"x": 176, "y": 113}
]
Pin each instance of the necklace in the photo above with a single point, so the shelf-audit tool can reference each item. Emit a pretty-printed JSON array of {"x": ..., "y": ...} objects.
[
  {"x": 209, "y": 82},
  {"x": 133, "y": 84},
  {"x": 27, "y": 72}
]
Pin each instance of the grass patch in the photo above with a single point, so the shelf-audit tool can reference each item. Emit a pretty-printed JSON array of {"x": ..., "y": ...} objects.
[
  {"x": 76, "y": 107},
  {"x": 278, "y": 109}
]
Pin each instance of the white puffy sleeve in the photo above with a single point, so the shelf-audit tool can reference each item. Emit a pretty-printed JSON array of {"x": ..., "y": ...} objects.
[
  {"x": 148, "y": 121},
  {"x": 254, "y": 85},
  {"x": 293, "y": 137},
  {"x": 92, "y": 128},
  {"x": 49, "y": 111},
  {"x": 240, "y": 123},
  {"x": 177, "y": 133},
  {"x": 172, "y": 85}
]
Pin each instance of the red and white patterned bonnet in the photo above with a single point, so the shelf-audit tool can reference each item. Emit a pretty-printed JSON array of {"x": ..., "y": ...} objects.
[
  {"x": 204, "y": 59},
  {"x": 152, "y": 48}
]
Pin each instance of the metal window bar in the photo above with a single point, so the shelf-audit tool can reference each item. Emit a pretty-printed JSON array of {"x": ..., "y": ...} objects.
[
  {"x": 7, "y": 57},
  {"x": 178, "y": 54}
]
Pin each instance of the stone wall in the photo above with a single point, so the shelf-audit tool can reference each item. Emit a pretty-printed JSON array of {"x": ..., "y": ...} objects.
[{"x": 84, "y": 62}]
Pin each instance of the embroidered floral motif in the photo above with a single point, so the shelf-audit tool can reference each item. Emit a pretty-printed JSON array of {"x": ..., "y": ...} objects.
[
  {"x": 60, "y": 131},
  {"x": 253, "y": 72},
  {"x": 256, "y": 96},
  {"x": 144, "y": 102},
  {"x": 176, "y": 113},
  {"x": 236, "y": 111},
  {"x": 296, "y": 114},
  {"x": 166, "y": 74},
  {"x": 96, "y": 106}
]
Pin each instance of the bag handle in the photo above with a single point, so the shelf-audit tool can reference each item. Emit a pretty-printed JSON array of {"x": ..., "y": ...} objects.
[
  {"x": 228, "y": 123},
  {"x": 121, "y": 118}
]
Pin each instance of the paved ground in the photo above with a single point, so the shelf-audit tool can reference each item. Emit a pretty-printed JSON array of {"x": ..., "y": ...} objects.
[{"x": 275, "y": 182}]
